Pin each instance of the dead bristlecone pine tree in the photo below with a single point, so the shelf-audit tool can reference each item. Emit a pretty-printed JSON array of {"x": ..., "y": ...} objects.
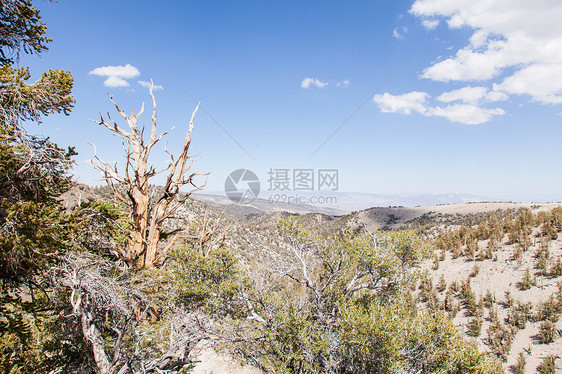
[{"x": 146, "y": 248}]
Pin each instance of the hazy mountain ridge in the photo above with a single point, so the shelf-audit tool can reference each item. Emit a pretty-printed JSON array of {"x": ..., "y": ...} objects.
[{"x": 334, "y": 202}]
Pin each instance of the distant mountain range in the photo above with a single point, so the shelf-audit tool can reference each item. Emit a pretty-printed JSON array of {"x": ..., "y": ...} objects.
[{"x": 332, "y": 203}]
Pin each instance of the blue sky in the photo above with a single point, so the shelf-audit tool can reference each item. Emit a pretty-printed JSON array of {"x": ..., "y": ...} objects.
[{"x": 470, "y": 103}]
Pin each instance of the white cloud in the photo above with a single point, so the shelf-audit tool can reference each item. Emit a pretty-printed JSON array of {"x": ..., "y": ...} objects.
[
  {"x": 472, "y": 95},
  {"x": 406, "y": 103},
  {"x": 467, "y": 113},
  {"x": 430, "y": 24},
  {"x": 494, "y": 96},
  {"x": 542, "y": 82},
  {"x": 516, "y": 44},
  {"x": 127, "y": 71},
  {"x": 114, "y": 81},
  {"x": 465, "y": 66},
  {"x": 479, "y": 38},
  {"x": 466, "y": 94},
  {"x": 344, "y": 83},
  {"x": 146, "y": 84},
  {"x": 515, "y": 48},
  {"x": 398, "y": 33},
  {"x": 116, "y": 75},
  {"x": 308, "y": 82}
]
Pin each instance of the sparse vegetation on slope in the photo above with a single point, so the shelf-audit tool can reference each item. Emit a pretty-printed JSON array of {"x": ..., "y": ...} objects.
[{"x": 521, "y": 266}]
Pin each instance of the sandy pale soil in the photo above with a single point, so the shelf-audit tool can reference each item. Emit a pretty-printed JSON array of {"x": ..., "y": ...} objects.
[
  {"x": 500, "y": 276},
  {"x": 211, "y": 362}
]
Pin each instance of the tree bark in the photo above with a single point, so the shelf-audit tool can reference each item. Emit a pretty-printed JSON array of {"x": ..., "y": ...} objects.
[
  {"x": 93, "y": 335},
  {"x": 145, "y": 248}
]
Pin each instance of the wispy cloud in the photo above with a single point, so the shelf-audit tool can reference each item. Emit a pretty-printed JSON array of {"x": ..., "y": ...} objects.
[
  {"x": 472, "y": 95},
  {"x": 116, "y": 75},
  {"x": 398, "y": 33},
  {"x": 430, "y": 24},
  {"x": 309, "y": 82},
  {"x": 114, "y": 81},
  {"x": 344, "y": 83},
  {"x": 406, "y": 103},
  {"x": 146, "y": 84},
  {"x": 468, "y": 114},
  {"x": 466, "y": 94},
  {"x": 468, "y": 111}
]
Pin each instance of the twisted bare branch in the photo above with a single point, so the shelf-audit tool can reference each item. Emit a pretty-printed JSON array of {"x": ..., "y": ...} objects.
[{"x": 148, "y": 214}]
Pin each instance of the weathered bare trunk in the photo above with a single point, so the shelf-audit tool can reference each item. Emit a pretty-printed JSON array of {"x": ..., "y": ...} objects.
[
  {"x": 138, "y": 244},
  {"x": 145, "y": 248},
  {"x": 93, "y": 335},
  {"x": 154, "y": 233}
]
